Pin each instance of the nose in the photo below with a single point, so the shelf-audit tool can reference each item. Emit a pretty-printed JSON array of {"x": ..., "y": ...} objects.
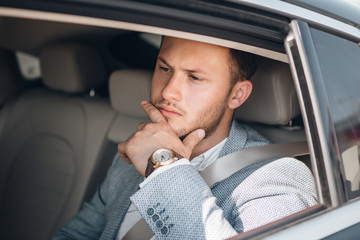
[{"x": 172, "y": 90}]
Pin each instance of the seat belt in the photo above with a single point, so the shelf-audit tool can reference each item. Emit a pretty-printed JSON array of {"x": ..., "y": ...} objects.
[{"x": 226, "y": 166}]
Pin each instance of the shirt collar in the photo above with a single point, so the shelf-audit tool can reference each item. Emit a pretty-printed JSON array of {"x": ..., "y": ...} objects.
[{"x": 207, "y": 158}]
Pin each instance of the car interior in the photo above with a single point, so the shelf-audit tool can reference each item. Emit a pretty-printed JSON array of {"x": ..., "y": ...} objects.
[{"x": 59, "y": 132}]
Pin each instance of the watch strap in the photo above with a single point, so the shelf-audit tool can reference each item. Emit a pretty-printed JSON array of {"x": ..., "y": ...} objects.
[{"x": 149, "y": 168}]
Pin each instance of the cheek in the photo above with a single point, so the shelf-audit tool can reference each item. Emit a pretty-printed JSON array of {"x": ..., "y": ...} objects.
[
  {"x": 197, "y": 101},
  {"x": 205, "y": 96},
  {"x": 202, "y": 102},
  {"x": 156, "y": 86}
]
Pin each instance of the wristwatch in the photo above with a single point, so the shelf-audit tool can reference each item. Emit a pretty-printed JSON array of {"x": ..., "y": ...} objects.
[{"x": 160, "y": 157}]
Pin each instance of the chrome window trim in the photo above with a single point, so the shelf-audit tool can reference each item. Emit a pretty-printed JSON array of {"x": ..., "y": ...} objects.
[
  {"x": 323, "y": 224},
  {"x": 311, "y": 17},
  {"x": 335, "y": 196},
  {"x": 290, "y": 39},
  {"x": 100, "y": 22}
]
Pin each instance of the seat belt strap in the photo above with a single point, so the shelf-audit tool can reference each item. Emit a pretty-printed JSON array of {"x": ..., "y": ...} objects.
[{"x": 226, "y": 166}]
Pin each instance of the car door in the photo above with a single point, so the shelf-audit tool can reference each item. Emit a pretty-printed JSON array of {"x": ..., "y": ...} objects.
[{"x": 326, "y": 68}]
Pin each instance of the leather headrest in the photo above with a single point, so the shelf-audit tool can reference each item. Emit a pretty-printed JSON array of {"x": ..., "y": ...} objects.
[
  {"x": 273, "y": 100},
  {"x": 127, "y": 89},
  {"x": 9, "y": 75},
  {"x": 71, "y": 67}
]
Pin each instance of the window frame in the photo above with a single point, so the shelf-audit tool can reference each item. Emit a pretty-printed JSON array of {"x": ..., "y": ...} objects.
[
  {"x": 263, "y": 36},
  {"x": 313, "y": 103},
  {"x": 325, "y": 157}
]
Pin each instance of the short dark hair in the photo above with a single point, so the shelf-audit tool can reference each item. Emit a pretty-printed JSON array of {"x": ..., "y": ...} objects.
[{"x": 242, "y": 65}]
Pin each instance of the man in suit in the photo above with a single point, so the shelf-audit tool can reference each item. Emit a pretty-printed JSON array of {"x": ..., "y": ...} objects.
[{"x": 195, "y": 89}]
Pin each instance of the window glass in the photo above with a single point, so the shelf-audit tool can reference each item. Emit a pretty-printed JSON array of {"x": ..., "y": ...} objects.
[
  {"x": 29, "y": 66},
  {"x": 339, "y": 61}
]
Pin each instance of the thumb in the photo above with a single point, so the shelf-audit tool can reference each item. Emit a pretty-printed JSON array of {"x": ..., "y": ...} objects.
[{"x": 193, "y": 138}]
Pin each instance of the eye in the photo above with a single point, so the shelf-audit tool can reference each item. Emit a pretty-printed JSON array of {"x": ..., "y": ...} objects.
[
  {"x": 165, "y": 69},
  {"x": 194, "y": 78}
]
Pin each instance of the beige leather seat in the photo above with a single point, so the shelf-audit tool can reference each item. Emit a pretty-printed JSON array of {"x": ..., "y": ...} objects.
[
  {"x": 52, "y": 144},
  {"x": 127, "y": 89},
  {"x": 273, "y": 104}
]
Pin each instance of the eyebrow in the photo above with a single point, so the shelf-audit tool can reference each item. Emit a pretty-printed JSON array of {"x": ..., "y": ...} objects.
[
  {"x": 196, "y": 70},
  {"x": 164, "y": 61}
]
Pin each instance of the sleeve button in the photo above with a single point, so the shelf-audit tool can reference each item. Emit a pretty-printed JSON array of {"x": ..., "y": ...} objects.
[
  {"x": 159, "y": 224},
  {"x": 165, "y": 231},
  {"x": 150, "y": 211},
  {"x": 155, "y": 217}
]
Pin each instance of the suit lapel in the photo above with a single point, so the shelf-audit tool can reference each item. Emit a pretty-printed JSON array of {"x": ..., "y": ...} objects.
[
  {"x": 241, "y": 137},
  {"x": 236, "y": 139}
]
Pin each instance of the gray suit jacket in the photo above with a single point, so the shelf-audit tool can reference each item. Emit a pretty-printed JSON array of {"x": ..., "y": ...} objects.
[{"x": 178, "y": 204}]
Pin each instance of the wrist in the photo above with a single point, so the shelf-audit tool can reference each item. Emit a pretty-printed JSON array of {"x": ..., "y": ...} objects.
[
  {"x": 149, "y": 168},
  {"x": 159, "y": 158}
]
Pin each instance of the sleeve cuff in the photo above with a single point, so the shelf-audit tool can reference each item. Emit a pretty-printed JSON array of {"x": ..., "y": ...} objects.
[{"x": 163, "y": 169}]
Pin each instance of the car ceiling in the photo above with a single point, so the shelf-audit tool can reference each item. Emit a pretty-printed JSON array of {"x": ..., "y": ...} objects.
[
  {"x": 30, "y": 36},
  {"x": 119, "y": 48}
]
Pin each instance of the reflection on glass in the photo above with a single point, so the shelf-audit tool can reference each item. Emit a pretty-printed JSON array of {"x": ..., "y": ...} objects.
[{"x": 339, "y": 61}]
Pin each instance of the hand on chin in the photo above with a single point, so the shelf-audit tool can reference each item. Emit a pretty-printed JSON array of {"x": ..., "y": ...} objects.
[{"x": 154, "y": 135}]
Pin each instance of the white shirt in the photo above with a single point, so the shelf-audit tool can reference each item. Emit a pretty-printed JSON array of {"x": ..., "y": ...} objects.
[{"x": 199, "y": 163}]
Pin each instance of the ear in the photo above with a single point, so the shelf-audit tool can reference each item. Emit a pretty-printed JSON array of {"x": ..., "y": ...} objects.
[{"x": 240, "y": 92}]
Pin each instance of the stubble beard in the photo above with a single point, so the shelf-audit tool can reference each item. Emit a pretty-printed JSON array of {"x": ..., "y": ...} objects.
[{"x": 208, "y": 119}]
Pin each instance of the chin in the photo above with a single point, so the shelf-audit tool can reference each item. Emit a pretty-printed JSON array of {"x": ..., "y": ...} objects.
[
  {"x": 178, "y": 128},
  {"x": 181, "y": 133}
]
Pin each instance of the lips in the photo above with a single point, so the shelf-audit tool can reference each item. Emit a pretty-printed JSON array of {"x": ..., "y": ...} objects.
[{"x": 168, "y": 111}]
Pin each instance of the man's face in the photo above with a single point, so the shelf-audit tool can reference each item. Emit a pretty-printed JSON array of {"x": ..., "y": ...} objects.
[{"x": 191, "y": 84}]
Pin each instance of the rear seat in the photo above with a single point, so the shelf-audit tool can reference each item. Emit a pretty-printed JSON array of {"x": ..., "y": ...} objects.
[
  {"x": 127, "y": 89},
  {"x": 52, "y": 143}
]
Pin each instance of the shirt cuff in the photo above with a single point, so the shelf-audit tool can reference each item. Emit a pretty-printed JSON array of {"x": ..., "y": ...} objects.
[{"x": 162, "y": 169}]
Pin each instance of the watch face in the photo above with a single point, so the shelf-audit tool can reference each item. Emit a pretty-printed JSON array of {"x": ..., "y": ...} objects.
[{"x": 162, "y": 155}]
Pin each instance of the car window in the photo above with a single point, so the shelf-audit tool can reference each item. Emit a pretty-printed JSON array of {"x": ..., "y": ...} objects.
[{"x": 339, "y": 62}]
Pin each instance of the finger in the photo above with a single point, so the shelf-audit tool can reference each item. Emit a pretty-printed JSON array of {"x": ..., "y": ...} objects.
[
  {"x": 154, "y": 114},
  {"x": 141, "y": 126},
  {"x": 122, "y": 152},
  {"x": 193, "y": 138},
  {"x": 125, "y": 158}
]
